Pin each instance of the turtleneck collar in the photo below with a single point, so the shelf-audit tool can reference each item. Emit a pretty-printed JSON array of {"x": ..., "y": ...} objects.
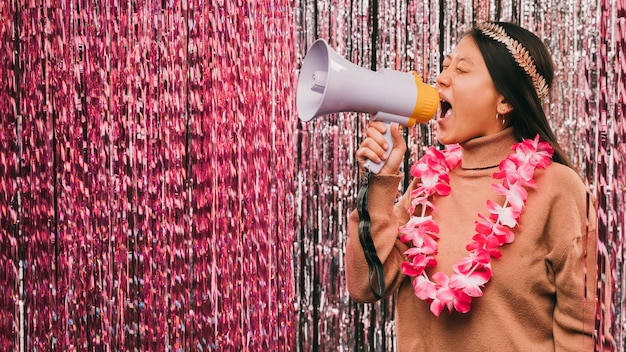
[{"x": 488, "y": 151}]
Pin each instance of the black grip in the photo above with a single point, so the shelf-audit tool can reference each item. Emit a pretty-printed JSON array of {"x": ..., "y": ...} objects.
[{"x": 365, "y": 237}]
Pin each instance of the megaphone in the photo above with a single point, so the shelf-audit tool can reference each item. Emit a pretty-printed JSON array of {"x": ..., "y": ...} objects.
[{"x": 328, "y": 83}]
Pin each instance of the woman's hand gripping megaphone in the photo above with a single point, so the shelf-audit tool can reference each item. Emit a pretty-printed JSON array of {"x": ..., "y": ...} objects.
[{"x": 382, "y": 151}]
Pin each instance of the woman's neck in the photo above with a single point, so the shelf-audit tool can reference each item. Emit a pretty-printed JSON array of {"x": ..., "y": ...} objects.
[{"x": 488, "y": 151}]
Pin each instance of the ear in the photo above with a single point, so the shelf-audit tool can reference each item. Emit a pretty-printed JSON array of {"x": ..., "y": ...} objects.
[{"x": 503, "y": 106}]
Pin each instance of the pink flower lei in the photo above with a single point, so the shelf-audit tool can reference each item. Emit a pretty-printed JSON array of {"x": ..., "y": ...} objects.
[{"x": 474, "y": 271}]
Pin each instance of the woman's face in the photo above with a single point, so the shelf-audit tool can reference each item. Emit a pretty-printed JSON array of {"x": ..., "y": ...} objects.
[{"x": 469, "y": 100}]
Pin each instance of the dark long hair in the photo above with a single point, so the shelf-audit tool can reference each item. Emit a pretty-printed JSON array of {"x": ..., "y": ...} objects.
[{"x": 528, "y": 117}]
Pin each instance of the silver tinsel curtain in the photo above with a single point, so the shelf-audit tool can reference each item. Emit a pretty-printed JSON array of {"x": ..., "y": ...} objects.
[
  {"x": 586, "y": 109},
  {"x": 157, "y": 191}
]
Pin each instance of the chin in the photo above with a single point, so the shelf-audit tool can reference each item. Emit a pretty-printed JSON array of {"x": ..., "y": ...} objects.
[
  {"x": 443, "y": 135},
  {"x": 443, "y": 138},
  {"x": 444, "y": 131}
]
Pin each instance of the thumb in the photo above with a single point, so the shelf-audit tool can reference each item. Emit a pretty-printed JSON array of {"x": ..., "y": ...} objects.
[{"x": 395, "y": 158}]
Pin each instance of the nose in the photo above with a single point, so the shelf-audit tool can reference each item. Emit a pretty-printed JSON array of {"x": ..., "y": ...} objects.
[{"x": 443, "y": 79}]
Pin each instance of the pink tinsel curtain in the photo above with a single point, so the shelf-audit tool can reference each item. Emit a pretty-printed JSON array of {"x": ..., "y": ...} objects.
[{"x": 146, "y": 193}]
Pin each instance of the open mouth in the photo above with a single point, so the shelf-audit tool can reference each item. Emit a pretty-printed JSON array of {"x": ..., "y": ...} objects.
[{"x": 445, "y": 108}]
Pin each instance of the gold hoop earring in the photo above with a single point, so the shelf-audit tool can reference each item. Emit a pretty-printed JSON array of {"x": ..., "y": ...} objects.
[{"x": 498, "y": 118}]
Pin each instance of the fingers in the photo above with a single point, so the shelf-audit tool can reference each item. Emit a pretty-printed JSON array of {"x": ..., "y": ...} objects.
[
  {"x": 376, "y": 130},
  {"x": 396, "y": 157},
  {"x": 365, "y": 153},
  {"x": 396, "y": 135},
  {"x": 376, "y": 148},
  {"x": 374, "y": 145}
]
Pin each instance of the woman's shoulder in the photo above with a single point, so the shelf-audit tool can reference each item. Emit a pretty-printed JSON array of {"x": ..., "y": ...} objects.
[{"x": 561, "y": 179}]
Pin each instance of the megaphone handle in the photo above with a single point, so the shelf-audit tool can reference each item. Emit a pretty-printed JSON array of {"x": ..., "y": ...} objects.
[{"x": 373, "y": 167}]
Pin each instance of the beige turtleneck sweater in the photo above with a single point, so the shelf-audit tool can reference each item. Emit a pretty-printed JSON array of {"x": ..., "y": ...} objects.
[{"x": 535, "y": 300}]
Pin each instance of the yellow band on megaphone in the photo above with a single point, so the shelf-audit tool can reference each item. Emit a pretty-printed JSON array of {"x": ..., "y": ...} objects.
[{"x": 426, "y": 103}]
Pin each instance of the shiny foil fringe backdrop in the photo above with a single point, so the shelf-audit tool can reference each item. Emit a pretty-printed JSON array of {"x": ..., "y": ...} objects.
[
  {"x": 146, "y": 190},
  {"x": 586, "y": 109},
  {"x": 157, "y": 191}
]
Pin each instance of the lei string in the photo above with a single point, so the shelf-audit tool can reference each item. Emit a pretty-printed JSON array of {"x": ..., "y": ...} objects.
[{"x": 493, "y": 231}]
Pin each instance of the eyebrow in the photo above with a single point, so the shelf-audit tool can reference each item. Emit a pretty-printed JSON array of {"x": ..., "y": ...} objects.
[{"x": 449, "y": 57}]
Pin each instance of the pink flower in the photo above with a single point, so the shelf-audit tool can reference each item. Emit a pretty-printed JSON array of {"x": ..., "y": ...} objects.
[
  {"x": 512, "y": 174},
  {"x": 478, "y": 259},
  {"x": 448, "y": 297},
  {"x": 472, "y": 273},
  {"x": 420, "y": 231},
  {"x": 433, "y": 168},
  {"x": 489, "y": 243},
  {"x": 454, "y": 156},
  {"x": 471, "y": 284},
  {"x": 428, "y": 175},
  {"x": 487, "y": 228},
  {"x": 537, "y": 154},
  {"x": 418, "y": 264},
  {"x": 421, "y": 199},
  {"x": 508, "y": 171},
  {"x": 515, "y": 195},
  {"x": 433, "y": 178},
  {"x": 424, "y": 289},
  {"x": 506, "y": 215}
]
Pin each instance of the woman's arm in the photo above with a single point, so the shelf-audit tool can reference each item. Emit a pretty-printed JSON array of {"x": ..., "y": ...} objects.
[
  {"x": 575, "y": 270},
  {"x": 385, "y": 218}
]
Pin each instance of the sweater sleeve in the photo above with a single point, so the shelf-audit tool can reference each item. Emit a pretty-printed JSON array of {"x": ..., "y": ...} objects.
[
  {"x": 385, "y": 217},
  {"x": 575, "y": 273}
]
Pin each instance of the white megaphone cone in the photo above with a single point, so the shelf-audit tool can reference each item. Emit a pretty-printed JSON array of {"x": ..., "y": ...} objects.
[{"x": 328, "y": 83}]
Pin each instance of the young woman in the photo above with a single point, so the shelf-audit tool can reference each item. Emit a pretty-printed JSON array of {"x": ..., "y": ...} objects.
[{"x": 493, "y": 247}]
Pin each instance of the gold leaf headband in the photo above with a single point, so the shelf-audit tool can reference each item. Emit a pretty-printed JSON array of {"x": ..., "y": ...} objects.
[{"x": 519, "y": 53}]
